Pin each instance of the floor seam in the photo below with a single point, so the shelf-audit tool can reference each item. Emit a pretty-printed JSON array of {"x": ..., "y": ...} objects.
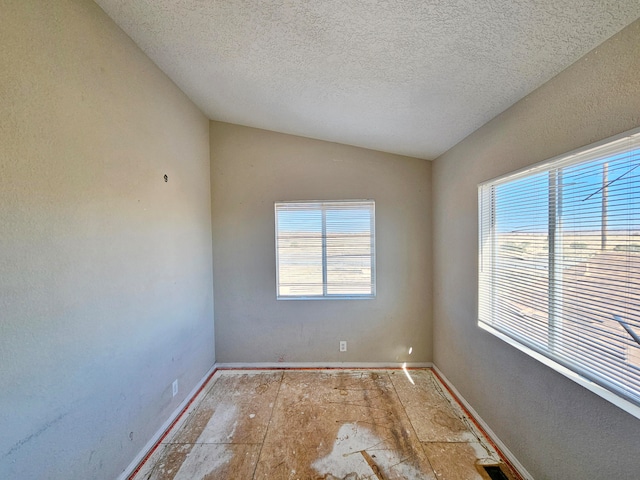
[
  {"x": 411, "y": 423},
  {"x": 213, "y": 443},
  {"x": 266, "y": 430}
]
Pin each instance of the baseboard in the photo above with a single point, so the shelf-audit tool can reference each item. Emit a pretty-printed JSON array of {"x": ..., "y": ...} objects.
[
  {"x": 487, "y": 430},
  {"x": 155, "y": 440},
  {"x": 318, "y": 365}
]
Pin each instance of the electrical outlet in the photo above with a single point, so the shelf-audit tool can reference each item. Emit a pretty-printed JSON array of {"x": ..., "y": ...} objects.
[
  {"x": 343, "y": 345},
  {"x": 175, "y": 387}
]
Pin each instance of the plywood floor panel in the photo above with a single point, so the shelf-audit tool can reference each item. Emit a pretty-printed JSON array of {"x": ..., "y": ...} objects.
[
  {"x": 455, "y": 461},
  {"x": 333, "y": 424},
  {"x": 434, "y": 414},
  {"x": 235, "y": 410},
  {"x": 184, "y": 461},
  {"x": 322, "y": 425}
]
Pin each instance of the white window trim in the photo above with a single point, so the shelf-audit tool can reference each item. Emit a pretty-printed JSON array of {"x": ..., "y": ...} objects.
[
  {"x": 570, "y": 373},
  {"x": 325, "y": 295},
  {"x": 617, "y": 400}
]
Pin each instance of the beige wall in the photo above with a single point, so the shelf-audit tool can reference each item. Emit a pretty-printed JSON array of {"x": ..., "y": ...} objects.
[
  {"x": 250, "y": 170},
  {"x": 105, "y": 269},
  {"x": 556, "y": 428}
]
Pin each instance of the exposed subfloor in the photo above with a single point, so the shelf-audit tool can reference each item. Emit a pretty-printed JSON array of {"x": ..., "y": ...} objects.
[{"x": 323, "y": 424}]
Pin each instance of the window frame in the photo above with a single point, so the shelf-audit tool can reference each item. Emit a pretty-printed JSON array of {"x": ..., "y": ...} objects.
[
  {"x": 582, "y": 376},
  {"x": 324, "y": 204}
]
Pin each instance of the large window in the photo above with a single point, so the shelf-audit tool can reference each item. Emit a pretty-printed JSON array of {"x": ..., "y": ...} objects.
[
  {"x": 559, "y": 265},
  {"x": 325, "y": 249}
]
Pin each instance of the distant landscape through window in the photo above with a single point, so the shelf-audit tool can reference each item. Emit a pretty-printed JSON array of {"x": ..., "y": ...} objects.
[
  {"x": 325, "y": 249},
  {"x": 559, "y": 264}
]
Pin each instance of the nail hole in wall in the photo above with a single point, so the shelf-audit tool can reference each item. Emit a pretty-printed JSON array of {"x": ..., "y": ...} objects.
[{"x": 166, "y": 179}]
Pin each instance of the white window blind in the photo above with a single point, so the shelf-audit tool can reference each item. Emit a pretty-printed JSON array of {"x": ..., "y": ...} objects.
[
  {"x": 559, "y": 265},
  {"x": 325, "y": 249}
]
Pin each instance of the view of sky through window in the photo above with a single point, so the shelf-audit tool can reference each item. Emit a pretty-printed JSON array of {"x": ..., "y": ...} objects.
[
  {"x": 325, "y": 249},
  {"x": 560, "y": 262}
]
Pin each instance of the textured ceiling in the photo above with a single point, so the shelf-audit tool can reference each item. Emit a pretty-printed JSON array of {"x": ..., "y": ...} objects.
[{"x": 402, "y": 76}]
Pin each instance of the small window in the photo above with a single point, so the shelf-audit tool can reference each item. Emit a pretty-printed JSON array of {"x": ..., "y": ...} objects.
[
  {"x": 559, "y": 265},
  {"x": 325, "y": 249}
]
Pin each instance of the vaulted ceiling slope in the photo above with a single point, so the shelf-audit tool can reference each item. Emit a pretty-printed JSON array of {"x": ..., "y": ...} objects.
[{"x": 403, "y": 76}]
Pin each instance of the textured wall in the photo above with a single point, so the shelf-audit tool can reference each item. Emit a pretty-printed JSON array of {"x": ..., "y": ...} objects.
[
  {"x": 105, "y": 285},
  {"x": 556, "y": 428},
  {"x": 250, "y": 170}
]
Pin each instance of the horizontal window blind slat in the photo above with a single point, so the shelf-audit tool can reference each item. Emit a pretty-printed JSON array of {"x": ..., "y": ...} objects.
[
  {"x": 559, "y": 261},
  {"x": 325, "y": 249}
]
